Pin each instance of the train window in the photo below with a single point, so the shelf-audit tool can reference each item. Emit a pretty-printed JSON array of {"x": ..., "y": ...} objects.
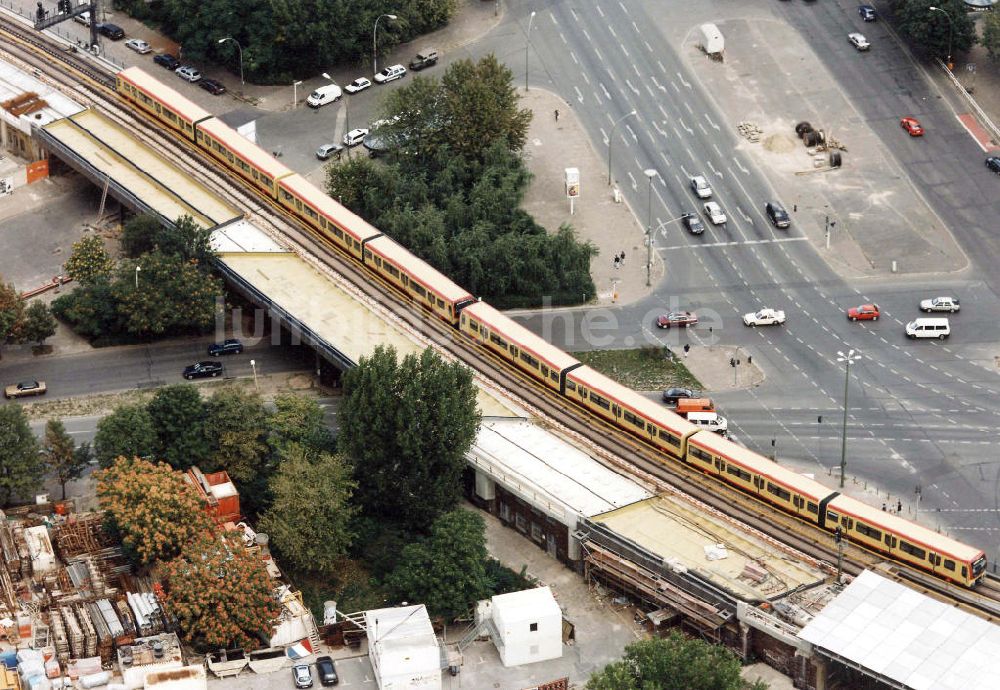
[
  {"x": 285, "y": 196},
  {"x": 531, "y": 361},
  {"x": 670, "y": 438},
  {"x": 497, "y": 340},
  {"x": 545, "y": 370},
  {"x": 847, "y": 522},
  {"x": 914, "y": 551},
  {"x": 950, "y": 565},
  {"x": 513, "y": 350},
  {"x": 633, "y": 420},
  {"x": 738, "y": 472},
  {"x": 778, "y": 491},
  {"x": 598, "y": 400},
  {"x": 256, "y": 175},
  {"x": 440, "y": 303},
  {"x": 298, "y": 205},
  {"x": 869, "y": 532},
  {"x": 554, "y": 376},
  {"x": 965, "y": 573},
  {"x": 391, "y": 270},
  {"x": 266, "y": 180},
  {"x": 701, "y": 455},
  {"x": 368, "y": 255},
  {"x": 419, "y": 289},
  {"x": 378, "y": 261},
  {"x": 812, "y": 508},
  {"x": 338, "y": 233},
  {"x": 462, "y": 320},
  {"x": 473, "y": 326},
  {"x": 832, "y": 517},
  {"x": 570, "y": 386},
  {"x": 758, "y": 482}
]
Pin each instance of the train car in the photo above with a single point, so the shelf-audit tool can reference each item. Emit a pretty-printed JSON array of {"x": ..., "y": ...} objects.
[
  {"x": 517, "y": 345},
  {"x": 429, "y": 287},
  {"x": 160, "y": 101},
  {"x": 759, "y": 476},
  {"x": 906, "y": 541},
  {"x": 240, "y": 154},
  {"x": 627, "y": 409},
  {"x": 338, "y": 224}
]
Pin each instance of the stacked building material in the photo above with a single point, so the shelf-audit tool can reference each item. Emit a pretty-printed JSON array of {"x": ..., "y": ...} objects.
[
  {"x": 87, "y": 626},
  {"x": 146, "y": 613},
  {"x": 74, "y": 633},
  {"x": 57, "y": 635}
]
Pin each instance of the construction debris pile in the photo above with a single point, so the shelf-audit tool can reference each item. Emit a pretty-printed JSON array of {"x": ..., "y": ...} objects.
[
  {"x": 750, "y": 131},
  {"x": 826, "y": 151}
]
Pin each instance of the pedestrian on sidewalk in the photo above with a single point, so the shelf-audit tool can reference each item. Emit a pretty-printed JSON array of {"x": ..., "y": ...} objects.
[
  {"x": 557, "y": 115},
  {"x": 616, "y": 261},
  {"x": 883, "y": 507},
  {"x": 899, "y": 507},
  {"x": 687, "y": 349},
  {"x": 622, "y": 258}
]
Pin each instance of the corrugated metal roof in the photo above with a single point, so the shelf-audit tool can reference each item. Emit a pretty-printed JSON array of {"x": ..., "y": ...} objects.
[
  {"x": 425, "y": 274},
  {"x": 513, "y": 332},
  {"x": 907, "y": 637}
]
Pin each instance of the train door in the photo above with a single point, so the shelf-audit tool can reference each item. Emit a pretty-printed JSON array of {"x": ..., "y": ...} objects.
[{"x": 758, "y": 483}]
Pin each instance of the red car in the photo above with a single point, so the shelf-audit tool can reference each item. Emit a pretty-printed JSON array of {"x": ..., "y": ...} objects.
[
  {"x": 684, "y": 319},
  {"x": 866, "y": 312},
  {"x": 912, "y": 125}
]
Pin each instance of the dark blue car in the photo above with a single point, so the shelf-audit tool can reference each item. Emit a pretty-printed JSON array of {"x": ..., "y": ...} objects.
[
  {"x": 227, "y": 347},
  {"x": 167, "y": 60},
  {"x": 867, "y": 12}
]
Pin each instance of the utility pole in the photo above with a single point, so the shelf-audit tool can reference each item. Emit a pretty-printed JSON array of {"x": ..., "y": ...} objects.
[
  {"x": 838, "y": 536},
  {"x": 846, "y": 359}
]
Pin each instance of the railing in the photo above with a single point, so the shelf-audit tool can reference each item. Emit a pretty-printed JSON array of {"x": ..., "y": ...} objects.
[{"x": 984, "y": 119}]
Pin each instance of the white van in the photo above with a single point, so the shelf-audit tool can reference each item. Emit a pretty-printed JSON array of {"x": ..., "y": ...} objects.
[
  {"x": 713, "y": 421},
  {"x": 323, "y": 95},
  {"x": 928, "y": 328}
]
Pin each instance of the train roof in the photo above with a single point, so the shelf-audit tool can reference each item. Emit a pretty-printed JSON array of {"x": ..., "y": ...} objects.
[
  {"x": 160, "y": 92},
  {"x": 911, "y": 531},
  {"x": 244, "y": 148},
  {"x": 341, "y": 216},
  {"x": 628, "y": 398},
  {"x": 418, "y": 269},
  {"x": 517, "y": 334},
  {"x": 758, "y": 464}
]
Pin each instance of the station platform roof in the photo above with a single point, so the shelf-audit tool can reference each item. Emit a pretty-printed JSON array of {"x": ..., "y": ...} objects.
[
  {"x": 906, "y": 638},
  {"x": 728, "y": 555},
  {"x": 106, "y": 150},
  {"x": 333, "y": 312},
  {"x": 31, "y": 101}
]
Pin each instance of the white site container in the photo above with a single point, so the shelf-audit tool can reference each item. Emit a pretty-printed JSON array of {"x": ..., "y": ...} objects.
[{"x": 529, "y": 626}]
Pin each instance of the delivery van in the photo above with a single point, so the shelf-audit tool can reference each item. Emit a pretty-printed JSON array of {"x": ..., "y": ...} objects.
[
  {"x": 711, "y": 421},
  {"x": 929, "y": 328},
  {"x": 323, "y": 95}
]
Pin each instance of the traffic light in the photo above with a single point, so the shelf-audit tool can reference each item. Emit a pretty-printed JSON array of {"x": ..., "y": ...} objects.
[{"x": 838, "y": 535}]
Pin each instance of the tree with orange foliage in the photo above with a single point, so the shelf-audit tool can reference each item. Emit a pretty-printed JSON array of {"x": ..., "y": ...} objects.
[
  {"x": 152, "y": 507},
  {"x": 221, "y": 594}
]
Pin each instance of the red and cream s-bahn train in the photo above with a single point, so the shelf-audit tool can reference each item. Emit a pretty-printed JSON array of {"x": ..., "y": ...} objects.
[{"x": 674, "y": 436}]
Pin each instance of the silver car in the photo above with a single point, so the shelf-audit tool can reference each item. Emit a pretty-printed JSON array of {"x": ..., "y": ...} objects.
[
  {"x": 700, "y": 186},
  {"x": 858, "y": 41},
  {"x": 949, "y": 304},
  {"x": 715, "y": 213},
  {"x": 327, "y": 150},
  {"x": 188, "y": 73}
]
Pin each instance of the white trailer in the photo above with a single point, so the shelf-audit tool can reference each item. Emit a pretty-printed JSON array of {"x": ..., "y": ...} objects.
[{"x": 712, "y": 41}]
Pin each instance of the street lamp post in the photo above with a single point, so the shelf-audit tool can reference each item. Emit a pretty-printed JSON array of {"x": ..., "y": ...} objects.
[
  {"x": 239, "y": 48},
  {"x": 295, "y": 94},
  {"x": 527, "y": 44},
  {"x": 610, "y": 136},
  {"x": 137, "y": 269},
  {"x": 253, "y": 365},
  {"x": 951, "y": 29},
  {"x": 375, "y": 41},
  {"x": 847, "y": 359},
  {"x": 650, "y": 174}
]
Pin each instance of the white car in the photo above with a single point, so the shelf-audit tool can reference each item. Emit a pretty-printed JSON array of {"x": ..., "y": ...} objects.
[
  {"x": 764, "y": 317},
  {"x": 355, "y": 136},
  {"x": 949, "y": 304},
  {"x": 714, "y": 213},
  {"x": 858, "y": 41},
  {"x": 138, "y": 45},
  {"x": 699, "y": 185},
  {"x": 82, "y": 18},
  {"x": 359, "y": 84},
  {"x": 188, "y": 73},
  {"x": 390, "y": 73}
]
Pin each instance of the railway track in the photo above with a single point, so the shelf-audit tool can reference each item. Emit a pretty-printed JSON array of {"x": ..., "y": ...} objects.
[{"x": 94, "y": 85}]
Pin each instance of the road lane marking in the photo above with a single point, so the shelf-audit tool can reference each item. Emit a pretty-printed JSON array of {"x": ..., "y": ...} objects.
[{"x": 735, "y": 243}]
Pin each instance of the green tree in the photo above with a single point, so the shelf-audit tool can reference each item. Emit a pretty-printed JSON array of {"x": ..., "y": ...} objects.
[
  {"x": 39, "y": 323},
  {"x": 91, "y": 310},
  {"x": 186, "y": 239},
  {"x": 238, "y": 423},
  {"x": 140, "y": 235},
  {"x": 447, "y": 570},
  {"x": 21, "y": 467},
  {"x": 178, "y": 416},
  {"x": 309, "y": 521},
  {"x": 152, "y": 507},
  {"x": 128, "y": 431},
  {"x": 220, "y": 594},
  {"x": 407, "y": 427},
  {"x": 298, "y": 419},
  {"x": 11, "y": 313},
  {"x": 991, "y": 35},
  {"x": 89, "y": 261},
  {"x": 674, "y": 662},
  {"x": 60, "y": 454},
  {"x": 930, "y": 30}
]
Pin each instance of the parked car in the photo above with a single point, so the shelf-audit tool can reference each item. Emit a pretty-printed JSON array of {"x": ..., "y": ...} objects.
[
  {"x": 231, "y": 346},
  {"x": 138, "y": 45},
  {"x": 993, "y": 164},
  {"x": 325, "y": 151},
  {"x": 390, "y": 73},
  {"x": 764, "y": 317},
  {"x": 865, "y": 312},
  {"x": 302, "y": 675},
  {"x": 677, "y": 319},
  {"x": 700, "y": 186},
  {"x": 112, "y": 31},
  {"x": 714, "y": 213},
  {"x": 212, "y": 86},
  {"x": 82, "y": 18},
  {"x": 359, "y": 84},
  {"x": 858, "y": 41},
  {"x": 777, "y": 213},
  {"x": 167, "y": 60},
  {"x": 203, "y": 370},
  {"x": 425, "y": 58},
  {"x": 949, "y": 304},
  {"x": 188, "y": 73},
  {"x": 355, "y": 136},
  {"x": 912, "y": 126},
  {"x": 672, "y": 395},
  {"x": 328, "y": 93},
  {"x": 867, "y": 13},
  {"x": 25, "y": 389},
  {"x": 693, "y": 223},
  {"x": 326, "y": 671}
]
